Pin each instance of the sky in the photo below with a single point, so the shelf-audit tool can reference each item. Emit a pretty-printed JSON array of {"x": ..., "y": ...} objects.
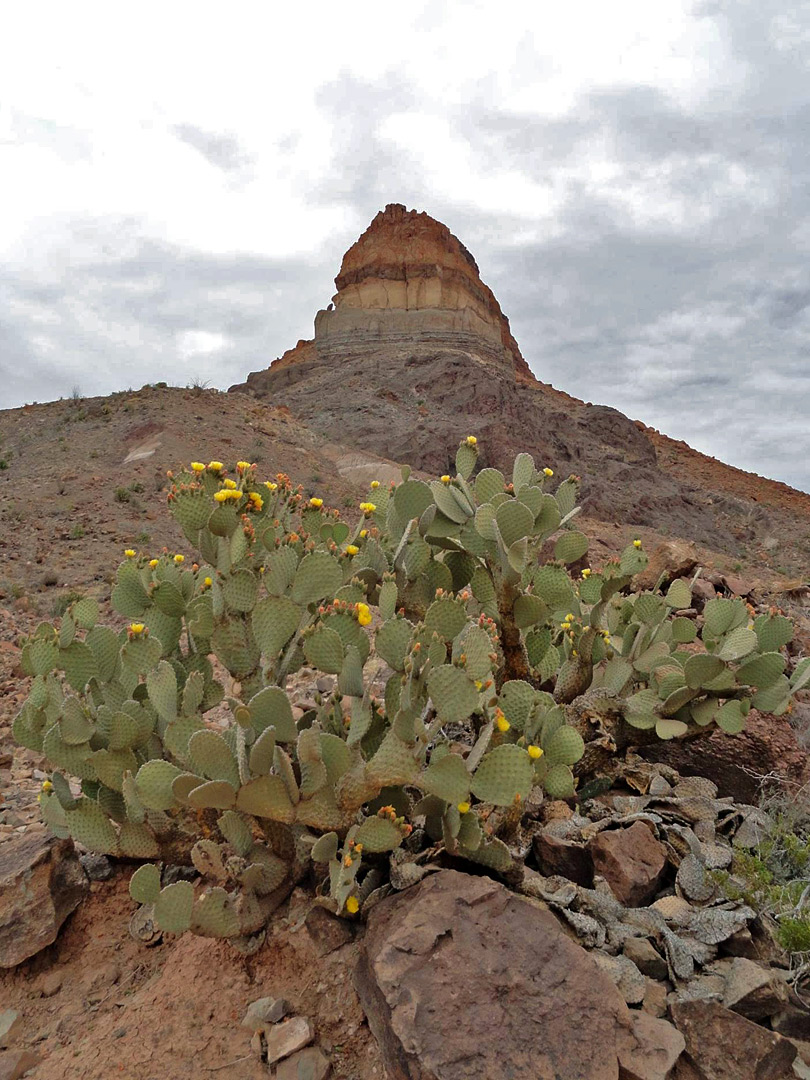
[{"x": 178, "y": 183}]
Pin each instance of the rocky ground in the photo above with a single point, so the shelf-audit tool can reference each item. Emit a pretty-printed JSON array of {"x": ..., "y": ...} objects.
[{"x": 656, "y": 973}]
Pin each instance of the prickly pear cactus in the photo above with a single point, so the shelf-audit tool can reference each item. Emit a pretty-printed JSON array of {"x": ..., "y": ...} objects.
[{"x": 434, "y": 590}]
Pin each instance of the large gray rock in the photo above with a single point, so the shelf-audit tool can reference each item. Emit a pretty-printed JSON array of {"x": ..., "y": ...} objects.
[
  {"x": 463, "y": 980},
  {"x": 41, "y": 883}
]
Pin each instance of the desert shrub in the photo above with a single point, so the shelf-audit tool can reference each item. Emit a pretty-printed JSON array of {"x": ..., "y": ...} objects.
[
  {"x": 122, "y": 495},
  {"x": 467, "y": 673}
]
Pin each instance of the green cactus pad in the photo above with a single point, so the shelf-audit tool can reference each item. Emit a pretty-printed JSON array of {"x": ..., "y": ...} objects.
[
  {"x": 210, "y": 755},
  {"x": 379, "y": 834},
  {"x": 493, "y": 854},
  {"x": 141, "y": 654},
  {"x": 504, "y": 773},
  {"x": 271, "y": 708},
  {"x": 110, "y": 766},
  {"x": 136, "y": 841},
  {"x": 679, "y": 595},
  {"x": 773, "y": 631},
  {"x": 144, "y": 885},
  {"x": 240, "y": 591},
  {"x": 79, "y": 664},
  {"x": 318, "y": 577},
  {"x": 553, "y": 585},
  {"x": 516, "y": 700},
  {"x": 701, "y": 668},
  {"x": 774, "y": 699},
  {"x": 236, "y": 647},
  {"x": 161, "y": 685},
  {"x": 466, "y": 459},
  {"x": 236, "y": 831},
  {"x": 275, "y": 619},
  {"x": 738, "y": 643},
  {"x": 570, "y": 547},
  {"x": 514, "y": 520},
  {"x": 206, "y": 856},
  {"x": 90, "y": 826},
  {"x": 76, "y": 760},
  {"x": 266, "y": 797},
  {"x": 392, "y": 641},
  {"x": 393, "y": 763},
  {"x": 446, "y": 617},
  {"x": 260, "y": 759},
  {"x": 336, "y": 756},
  {"x": 214, "y": 915},
  {"x": 75, "y": 726},
  {"x": 558, "y": 782},
  {"x": 324, "y": 650},
  {"x": 104, "y": 646},
  {"x": 565, "y": 747},
  {"x": 453, "y": 693},
  {"x": 477, "y": 647},
  {"x": 684, "y": 631},
  {"x": 154, "y": 783},
  {"x": 719, "y": 616},
  {"x": 173, "y": 907},
  {"x": 325, "y": 848},
  {"x": 761, "y": 671},
  {"x": 448, "y": 778},
  {"x": 321, "y": 811},
  {"x": 213, "y": 795}
]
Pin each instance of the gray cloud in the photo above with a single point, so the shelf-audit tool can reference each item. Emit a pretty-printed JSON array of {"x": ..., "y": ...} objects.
[
  {"x": 676, "y": 287},
  {"x": 221, "y": 151}
]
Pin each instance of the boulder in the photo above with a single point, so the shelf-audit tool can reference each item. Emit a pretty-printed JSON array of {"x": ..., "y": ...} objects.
[
  {"x": 461, "y": 979},
  {"x": 673, "y": 559},
  {"x": 631, "y": 861},
  {"x": 41, "y": 883},
  {"x": 285, "y": 1038},
  {"x": 722, "y": 1045},
  {"x": 738, "y": 764},
  {"x": 14, "y": 1064},
  {"x": 751, "y": 990},
  {"x": 649, "y": 1048}
]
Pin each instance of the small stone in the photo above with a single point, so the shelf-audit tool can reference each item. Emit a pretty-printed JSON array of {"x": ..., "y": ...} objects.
[
  {"x": 172, "y": 874},
  {"x": 311, "y": 1063},
  {"x": 97, "y": 867},
  {"x": 327, "y": 931},
  {"x": 632, "y": 862},
  {"x": 285, "y": 1038},
  {"x": 10, "y": 1026},
  {"x": 264, "y": 1011},
  {"x": 655, "y": 997},
  {"x": 646, "y": 957},
  {"x": 50, "y": 984},
  {"x": 16, "y": 1063},
  {"x": 649, "y": 1048},
  {"x": 556, "y": 856}
]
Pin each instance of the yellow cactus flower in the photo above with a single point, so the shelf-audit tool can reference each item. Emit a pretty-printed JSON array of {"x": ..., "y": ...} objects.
[
  {"x": 316, "y": 502},
  {"x": 270, "y": 485},
  {"x": 363, "y": 612},
  {"x": 47, "y": 785},
  {"x": 222, "y": 496},
  {"x": 565, "y": 625},
  {"x": 463, "y": 807},
  {"x": 570, "y": 617},
  {"x": 256, "y": 499},
  {"x": 130, "y": 553},
  {"x": 479, "y": 686},
  {"x": 534, "y": 752},
  {"x": 501, "y": 723},
  {"x": 358, "y": 848},
  {"x": 136, "y": 628},
  {"x": 153, "y": 563},
  {"x": 352, "y": 549},
  {"x": 229, "y": 484},
  {"x": 242, "y": 465},
  {"x": 215, "y": 466},
  {"x": 179, "y": 559},
  {"x": 547, "y": 471},
  {"x": 197, "y": 466},
  {"x": 208, "y": 583},
  {"x": 445, "y": 479},
  {"x": 375, "y": 484},
  {"x": 471, "y": 440},
  {"x": 352, "y": 905},
  {"x": 367, "y": 508},
  {"x": 363, "y": 534},
  {"x": 636, "y": 543},
  {"x": 586, "y": 572}
]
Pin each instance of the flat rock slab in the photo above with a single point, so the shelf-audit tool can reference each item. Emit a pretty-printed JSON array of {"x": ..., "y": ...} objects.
[
  {"x": 722, "y": 1045},
  {"x": 462, "y": 980},
  {"x": 41, "y": 883},
  {"x": 650, "y": 1049}
]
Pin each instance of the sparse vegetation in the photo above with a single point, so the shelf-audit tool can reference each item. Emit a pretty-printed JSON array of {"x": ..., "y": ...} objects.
[
  {"x": 77, "y": 532},
  {"x": 479, "y": 643}
]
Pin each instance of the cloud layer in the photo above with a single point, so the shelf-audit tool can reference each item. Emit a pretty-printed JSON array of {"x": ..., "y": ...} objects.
[{"x": 634, "y": 189}]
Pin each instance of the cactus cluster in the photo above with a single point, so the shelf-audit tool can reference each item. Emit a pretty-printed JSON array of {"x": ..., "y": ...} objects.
[{"x": 457, "y": 655}]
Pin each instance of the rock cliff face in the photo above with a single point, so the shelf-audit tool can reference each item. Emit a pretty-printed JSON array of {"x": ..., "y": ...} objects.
[{"x": 408, "y": 280}]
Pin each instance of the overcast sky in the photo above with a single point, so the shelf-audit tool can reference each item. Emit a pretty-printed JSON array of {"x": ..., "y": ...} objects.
[{"x": 179, "y": 181}]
